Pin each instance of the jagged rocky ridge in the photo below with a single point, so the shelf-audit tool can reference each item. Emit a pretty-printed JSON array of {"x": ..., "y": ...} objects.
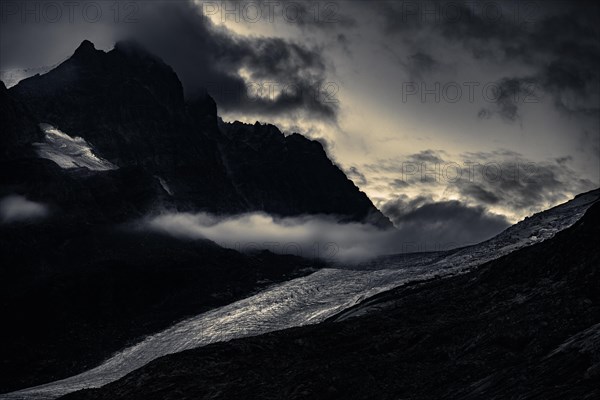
[
  {"x": 130, "y": 106},
  {"x": 526, "y": 325}
]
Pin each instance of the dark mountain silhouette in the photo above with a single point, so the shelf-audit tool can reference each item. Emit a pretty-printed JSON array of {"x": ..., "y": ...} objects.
[
  {"x": 526, "y": 325},
  {"x": 130, "y": 106}
]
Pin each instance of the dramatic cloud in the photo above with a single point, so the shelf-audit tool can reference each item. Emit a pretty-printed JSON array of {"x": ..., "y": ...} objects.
[
  {"x": 356, "y": 176},
  {"x": 421, "y": 226},
  {"x": 17, "y": 208},
  {"x": 252, "y": 74},
  {"x": 420, "y": 64},
  {"x": 507, "y": 94},
  {"x": 428, "y": 225},
  {"x": 480, "y": 194},
  {"x": 520, "y": 184},
  {"x": 308, "y": 237},
  {"x": 557, "y": 41},
  {"x": 501, "y": 181}
]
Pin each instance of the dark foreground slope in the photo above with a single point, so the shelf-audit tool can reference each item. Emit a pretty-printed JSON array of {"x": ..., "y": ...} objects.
[
  {"x": 71, "y": 296},
  {"x": 524, "y": 326}
]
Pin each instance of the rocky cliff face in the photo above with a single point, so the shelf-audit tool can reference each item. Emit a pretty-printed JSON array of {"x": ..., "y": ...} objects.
[
  {"x": 17, "y": 126},
  {"x": 259, "y": 158},
  {"x": 129, "y": 105}
]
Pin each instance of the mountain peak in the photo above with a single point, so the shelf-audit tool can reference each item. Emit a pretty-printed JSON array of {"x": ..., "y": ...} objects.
[
  {"x": 85, "y": 47},
  {"x": 86, "y": 52}
]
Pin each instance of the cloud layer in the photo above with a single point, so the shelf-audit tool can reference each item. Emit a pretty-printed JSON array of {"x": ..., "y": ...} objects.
[
  {"x": 15, "y": 208},
  {"x": 420, "y": 227}
]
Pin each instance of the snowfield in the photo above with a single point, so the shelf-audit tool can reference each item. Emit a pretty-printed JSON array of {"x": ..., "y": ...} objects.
[{"x": 69, "y": 152}]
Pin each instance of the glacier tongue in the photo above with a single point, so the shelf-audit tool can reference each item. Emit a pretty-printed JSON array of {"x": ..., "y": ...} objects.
[{"x": 69, "y": 152}]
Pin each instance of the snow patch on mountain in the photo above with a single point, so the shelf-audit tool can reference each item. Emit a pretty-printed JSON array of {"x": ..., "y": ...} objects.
[{"x": 69, "y": 152}]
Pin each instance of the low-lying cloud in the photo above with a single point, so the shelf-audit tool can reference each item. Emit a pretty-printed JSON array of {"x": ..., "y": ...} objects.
[
  {"x": 325, "y": 238},
  {"x": 15, "y": 208}
]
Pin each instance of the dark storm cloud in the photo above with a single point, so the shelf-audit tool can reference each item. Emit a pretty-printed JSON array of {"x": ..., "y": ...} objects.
[
  {"x": 398, "y": 184},
  {"x": 564, "y": 160},
  {"x": 507, "y": 94},
  {"x": 356, "y": 176},
  {"x": 502, "y": 179},
  {"x": 419, "y": 64},
  {"x": 263, "y": 75},
  {"x": 559, "y": 40},
  {"x": 480, "y": 194},
  {"x": 495, "y": 155},
  {"x": 281, "y": 76},
  {"x": 412, "y": 161},
  {"x": 344, "y": 43},
  {"x": 420, "y": 169},
  {"x": 325, "y": 16},
  {"x": 442, "y": 225},
  {"x": 397, "y": 208},
  {"x": 589, "y": 140},
  {"x": 484, "y": 113},
  {"x": 427, "y": 156},
  {"x": 519, "y": 184},
  {"x": 422, "y": 61}
]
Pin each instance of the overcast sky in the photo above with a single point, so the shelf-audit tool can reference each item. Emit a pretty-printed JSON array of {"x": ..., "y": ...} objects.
[{"x": 476, "y": 112}]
